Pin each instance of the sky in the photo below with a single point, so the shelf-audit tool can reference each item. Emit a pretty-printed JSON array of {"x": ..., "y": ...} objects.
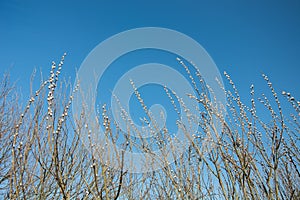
[{"x": 243, "y": 38}]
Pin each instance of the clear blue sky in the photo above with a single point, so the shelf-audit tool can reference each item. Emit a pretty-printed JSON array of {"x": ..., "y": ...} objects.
[{"x": 243, "y": 38}]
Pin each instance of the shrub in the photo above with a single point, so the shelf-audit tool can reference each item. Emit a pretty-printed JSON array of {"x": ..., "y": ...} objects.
[{"x": 253, "y": 157}]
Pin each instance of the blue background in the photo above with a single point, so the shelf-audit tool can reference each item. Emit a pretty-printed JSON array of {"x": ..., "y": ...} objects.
[{"x": 243, "y": 38}]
